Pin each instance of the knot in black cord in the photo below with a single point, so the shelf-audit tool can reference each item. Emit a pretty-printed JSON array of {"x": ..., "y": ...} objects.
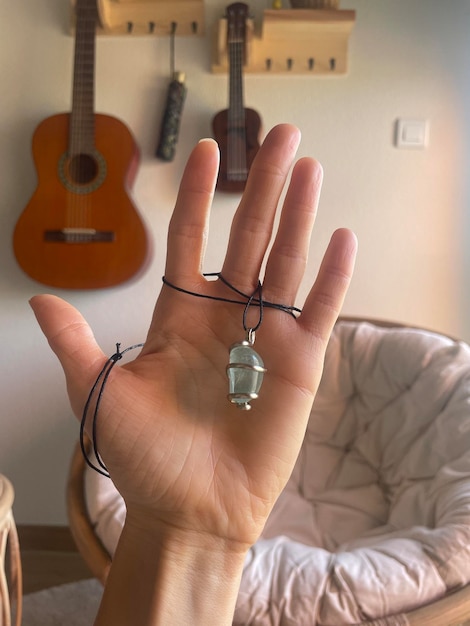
[
  {"x": 248, "y": 299},
  {"x": 117, "y": 356},
  {"x": 259, "y": 291}
]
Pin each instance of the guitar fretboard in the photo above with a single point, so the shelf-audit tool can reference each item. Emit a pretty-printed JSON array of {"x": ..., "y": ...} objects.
[{"x": 82, "y": 124}]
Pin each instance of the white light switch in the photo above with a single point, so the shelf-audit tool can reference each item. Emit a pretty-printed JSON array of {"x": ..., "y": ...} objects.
[{"x": 411, "y": 133}]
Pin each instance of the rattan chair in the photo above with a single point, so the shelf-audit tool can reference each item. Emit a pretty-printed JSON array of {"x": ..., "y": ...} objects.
[
  {"x": 88, "y": 543},
  {"x": 451, "y": 610}
]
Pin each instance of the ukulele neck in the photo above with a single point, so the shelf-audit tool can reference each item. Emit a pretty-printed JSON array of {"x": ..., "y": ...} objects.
[
  {"x": 237, "y": 14},
  {"x": 236, "y": 109},
  {"x": 82, "y": 119}
]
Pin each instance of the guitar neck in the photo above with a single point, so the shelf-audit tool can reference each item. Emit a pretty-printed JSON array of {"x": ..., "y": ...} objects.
[{"x": 82, "y": 119}]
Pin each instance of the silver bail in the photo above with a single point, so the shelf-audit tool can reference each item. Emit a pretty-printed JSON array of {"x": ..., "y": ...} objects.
[{"x": 250, "y": 336}]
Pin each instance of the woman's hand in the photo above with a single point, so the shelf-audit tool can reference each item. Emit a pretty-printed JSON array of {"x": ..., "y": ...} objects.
[{"x": 184, "y": 459}]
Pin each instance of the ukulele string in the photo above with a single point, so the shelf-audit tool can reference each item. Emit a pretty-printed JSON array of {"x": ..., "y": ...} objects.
[
  {"x": 237, "y": 133},
  {"x": 242, "y": 146}
]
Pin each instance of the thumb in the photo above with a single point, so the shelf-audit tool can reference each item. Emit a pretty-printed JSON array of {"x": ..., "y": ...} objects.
[{"x": 73, "y": 342}]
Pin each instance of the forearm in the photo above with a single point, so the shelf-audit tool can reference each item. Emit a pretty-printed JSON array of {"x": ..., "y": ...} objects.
[{"x": 157, "y": 580}]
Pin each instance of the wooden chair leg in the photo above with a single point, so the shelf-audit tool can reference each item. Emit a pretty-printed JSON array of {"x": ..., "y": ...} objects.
[
  {"x": 11, "y": 588},
  {"x": 5, "y": 615},
  {"x": 16, "y": 572}
]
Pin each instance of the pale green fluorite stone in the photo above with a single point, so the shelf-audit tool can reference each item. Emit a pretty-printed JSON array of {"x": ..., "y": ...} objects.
[{"x": 245, "y": 374}]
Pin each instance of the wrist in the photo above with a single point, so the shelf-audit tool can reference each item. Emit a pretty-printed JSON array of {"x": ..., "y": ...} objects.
[
  {"x": 198, "y": 575},
  {"x": 179, "y": 540},
  {"x": 173, "y": 576}
]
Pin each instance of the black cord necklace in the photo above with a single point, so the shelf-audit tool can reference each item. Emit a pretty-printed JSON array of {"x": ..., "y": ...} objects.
[{"x": 245, "y": 370}]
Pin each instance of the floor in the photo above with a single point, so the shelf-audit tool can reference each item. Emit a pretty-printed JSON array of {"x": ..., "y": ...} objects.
[
  {"x": 49, "y": 558},
  {"x": 46, "y": 568}
]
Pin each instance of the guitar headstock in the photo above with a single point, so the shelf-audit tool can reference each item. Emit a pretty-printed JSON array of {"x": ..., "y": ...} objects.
[{"x": 237, "y": 14}]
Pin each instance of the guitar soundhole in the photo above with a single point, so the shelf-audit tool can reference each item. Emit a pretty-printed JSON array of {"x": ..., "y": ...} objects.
[
  {"x": 83, "y": 169},
  {"x": 82, "y": 173}
]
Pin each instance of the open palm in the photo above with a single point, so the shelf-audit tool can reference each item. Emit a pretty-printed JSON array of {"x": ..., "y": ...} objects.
[{"x": 177, "y": 450}]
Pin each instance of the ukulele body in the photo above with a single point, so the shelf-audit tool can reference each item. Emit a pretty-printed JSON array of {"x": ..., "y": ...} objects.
[
  {"x": 238, "y": 146},
  {"x": 80, "y": 229}
]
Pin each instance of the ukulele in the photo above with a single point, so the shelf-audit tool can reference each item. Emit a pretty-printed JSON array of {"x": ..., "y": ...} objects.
[
  {"x": 236, "y": 129},
  {"x": 80, "y": 230}
]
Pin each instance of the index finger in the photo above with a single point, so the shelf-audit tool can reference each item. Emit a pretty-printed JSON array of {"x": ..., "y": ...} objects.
[{"x": 188, "y": 227}]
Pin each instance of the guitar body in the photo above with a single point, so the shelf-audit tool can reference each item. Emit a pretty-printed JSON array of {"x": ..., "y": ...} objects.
[
  {"x": 80, "y": 229},
  {"x": 235, "y": 141}
]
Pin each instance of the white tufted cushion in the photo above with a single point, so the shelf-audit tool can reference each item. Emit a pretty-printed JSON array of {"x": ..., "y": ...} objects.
[{"x": 375, "y": 519}]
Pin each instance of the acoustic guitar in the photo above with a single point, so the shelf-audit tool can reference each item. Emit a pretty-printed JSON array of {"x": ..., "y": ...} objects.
[
  {"x": 237, "y": 128},
  {"x": 80, "y": 229}
]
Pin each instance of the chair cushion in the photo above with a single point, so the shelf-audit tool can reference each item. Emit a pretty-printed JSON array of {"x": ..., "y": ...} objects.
[{"x": 375, "y": 519}]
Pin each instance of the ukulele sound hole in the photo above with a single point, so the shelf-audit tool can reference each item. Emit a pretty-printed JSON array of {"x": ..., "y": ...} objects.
[{"x": 83, "y": 169}]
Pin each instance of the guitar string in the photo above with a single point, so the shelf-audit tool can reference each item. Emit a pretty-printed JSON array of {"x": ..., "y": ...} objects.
[
  {"x": 75, "y": 115},
  {"x": 81, "y": 130},
  {"x": 88, "y": 57},
  {"x": 76, "y": 111}
]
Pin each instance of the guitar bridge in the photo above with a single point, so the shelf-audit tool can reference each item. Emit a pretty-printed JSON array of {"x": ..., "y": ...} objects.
[{"x": 79, "y": 235}]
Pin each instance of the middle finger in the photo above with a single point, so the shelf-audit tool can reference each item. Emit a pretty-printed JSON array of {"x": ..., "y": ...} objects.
[{"x": 253, "y": 222}]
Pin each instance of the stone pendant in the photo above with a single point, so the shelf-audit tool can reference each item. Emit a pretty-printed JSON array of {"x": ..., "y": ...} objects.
[{"x": 245, "y": 373}]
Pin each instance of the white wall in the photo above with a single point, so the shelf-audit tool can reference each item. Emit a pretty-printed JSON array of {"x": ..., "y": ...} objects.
[{"x": 408, "y": 58}]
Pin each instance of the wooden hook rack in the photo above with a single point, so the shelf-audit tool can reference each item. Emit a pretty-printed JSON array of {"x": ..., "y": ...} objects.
[
  {"x": 151, "y": 17},
  {"x": 292, "y": 41}
]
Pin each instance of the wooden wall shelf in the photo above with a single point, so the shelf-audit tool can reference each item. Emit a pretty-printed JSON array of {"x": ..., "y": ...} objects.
[
  {"x": 151, "y": 17},
  {"x": 295, "y": 41}
]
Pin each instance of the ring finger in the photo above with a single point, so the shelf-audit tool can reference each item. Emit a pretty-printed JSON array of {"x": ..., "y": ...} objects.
[{"x": 288, "y": 257}]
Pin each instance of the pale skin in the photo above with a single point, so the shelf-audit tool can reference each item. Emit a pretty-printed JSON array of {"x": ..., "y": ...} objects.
[{"x": 199, "y": 476}]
